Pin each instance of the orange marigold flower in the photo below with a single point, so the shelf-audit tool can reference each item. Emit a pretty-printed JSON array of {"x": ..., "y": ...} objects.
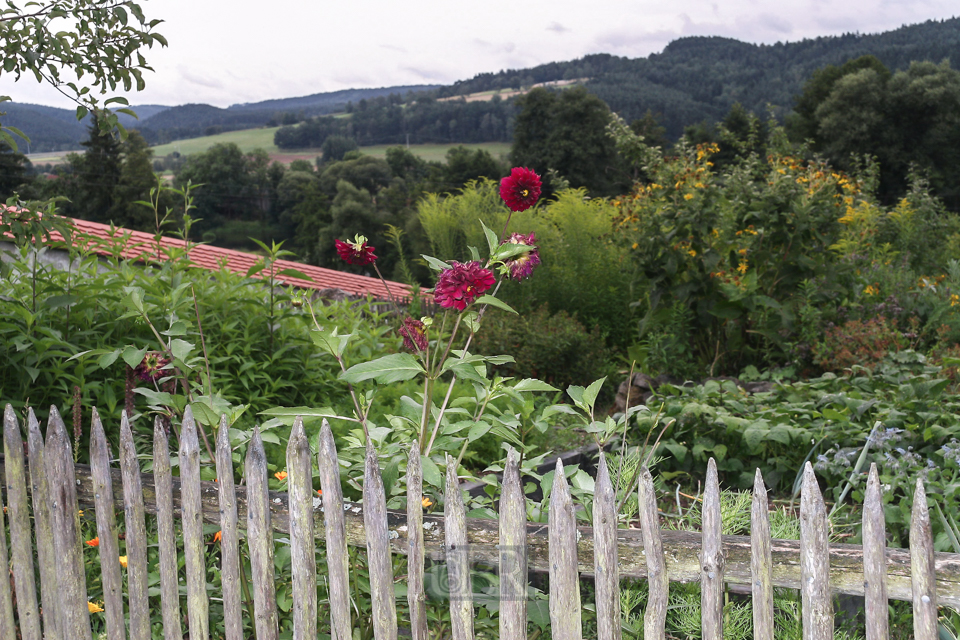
[
  {"x": 319, "y": 492},
  {"x": 218, "y": 536},
  {"x": 426, "y": 502},
  {"x": 93, "y": 607},
  {"x": 93, "y": 542},
  {"x": 280, "y": 475},
  {"x": 123, "y": 561}
]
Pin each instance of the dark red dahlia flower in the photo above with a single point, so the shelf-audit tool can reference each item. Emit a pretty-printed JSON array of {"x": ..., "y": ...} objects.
[
  {"x": 414, "y": 334},
  {"x": 521, "y": 266},
  {"x": 461, "y": 284},
  {"x": 151, "y": 367},
  {"x": 357, "y": 252},
  {"x": 521, "y": 189}
]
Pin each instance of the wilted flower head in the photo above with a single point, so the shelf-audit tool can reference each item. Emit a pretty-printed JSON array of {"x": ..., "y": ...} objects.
[
  {"x": 151, "y": 367},
  {"x": 521, "y": 266},
  {"x": 414, "y": 334},
  {"x": 357, "y": 252},
  {"x": 521, "y": 189},
  {"x": 461, "y": 284}
]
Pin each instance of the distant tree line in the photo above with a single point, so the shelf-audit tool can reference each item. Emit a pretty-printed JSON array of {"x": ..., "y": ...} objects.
[{"x": 387, "y": 120}]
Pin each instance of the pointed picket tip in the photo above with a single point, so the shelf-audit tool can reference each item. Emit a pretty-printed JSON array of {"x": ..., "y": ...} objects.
[
  {"x": 711, "y": 471},
  {"x": 255, "y": 452},
  {"x": 223, "y": 433},
  {"x": 189, "y": 443},
  {"x": 810, "y": 489},
  {"x": 602, "y": 471},
  {"x": 55, "y": 422},
  {"x": 372, "y": 460},
  {"x": 920, "y": 508},
  {"x": 33, "y": 428},
  {"x": 759, "y": 487},
  {"x": 452, "y": 489},
  {"x": 10, "y": 418},
  {"x": 298, "y": 436},
  {"x": 126, "y": 432},
  {"x": 98, "y": 439}
]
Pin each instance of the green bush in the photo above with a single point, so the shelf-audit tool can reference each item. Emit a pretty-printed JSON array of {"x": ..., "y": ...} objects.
[{"x": 555, "y": 348}]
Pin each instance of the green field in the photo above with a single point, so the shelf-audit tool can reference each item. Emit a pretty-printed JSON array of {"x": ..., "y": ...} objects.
[{"x": 250, "y": 139}]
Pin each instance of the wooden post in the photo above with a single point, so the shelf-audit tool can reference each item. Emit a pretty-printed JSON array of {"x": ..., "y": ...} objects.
[
  {"x": 816, "y": 602},
  {"x": 46, "y": 558},
  {"x": 922, "y": 568},
  {"x": 336, "y": 536},
  {"x": 655, "y": 617},
  {"x": 605, "y": 557},
  {"x": 108, "y": 548},
  {"x": 457, "y": 557},
  {"x": 378, "y": 549},
  {"x": 260, "y": 540},
  {"x": 136, "y": 533},
  {"x": 513, "y": 553},
  {"x": 565, "y": 623},
  {"x": 761, "y": 562},
  {"x": 65, "y": 522},
  {"x": 229, "y": 537},
  {"x": 8, "y": 625},
  {"x": 303, "y": 557},
  {"x": 416, "y": 599},
  {"x": 166, "y": 538},
  {"x": 711, "y": 559},
  {"x": 21, "y": 540},
  {"x": 875, "y": 560},
  {"x": 198, "y": 606}
]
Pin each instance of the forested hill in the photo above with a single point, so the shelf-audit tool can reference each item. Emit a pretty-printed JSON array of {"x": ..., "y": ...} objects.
[{"x": 700, "y": 78}]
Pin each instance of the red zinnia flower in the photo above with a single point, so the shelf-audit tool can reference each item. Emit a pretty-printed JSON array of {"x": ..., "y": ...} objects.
[
  {"x": 357, "y": 252},
  {"x": 151, "y": 367},
  {"x": 414, "y": 334},
  {"x": 521, "y": 189},
  {"x": 521, "y": 266},
  {"x": 460, "y": 285}
]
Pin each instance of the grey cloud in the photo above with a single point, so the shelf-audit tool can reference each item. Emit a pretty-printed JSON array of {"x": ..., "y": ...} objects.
[
  {"x": 203, "y": 81},
  {"x": 557, "y": 28}
]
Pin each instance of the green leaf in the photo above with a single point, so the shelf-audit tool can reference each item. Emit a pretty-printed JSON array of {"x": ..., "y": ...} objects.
[
  {"x": 431, "y": 472},
  {"x": 532, "y": 384},
  {"x": 256, "y": 268},
  {"x": 286, "y": 415},
  {"x": 393, "y": 368},
  {"x": 108, "y": 358},
  {"x": 133, "y": 356},
  {"x": 56, "y": 302},
  {"x": 492, "y": 241},
  {"x": 478, "y": 430},
  {"x": 330, "y": 341},
  {"x": 591, "y": 392},
  {"x": 294, "y": 273},
  {"x": 181, "y": 349},
  {"x": 436, "y": 265},
  {"x": 495, "y": 302}
]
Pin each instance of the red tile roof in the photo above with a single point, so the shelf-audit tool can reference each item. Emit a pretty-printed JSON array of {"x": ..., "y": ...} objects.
[{"x": 138, "y": 245}]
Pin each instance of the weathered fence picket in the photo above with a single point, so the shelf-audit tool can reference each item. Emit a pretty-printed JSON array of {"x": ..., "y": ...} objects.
[
  {"x": 711, "y": 559},
  {"x": 655, "y": 617},
  {"x": 922, "y": 568},
  {"x": 108, "y": 546},
  {"x": 816, "y": 601},
  {"x": 416, "y": 598},
  {"x": 166, "y": 538},
  {"x": 136, "y": 535},
  {"x": 65, "y": 522},
  {"x": 336, "y": 536},
  {"x": 457, "y": 558},
  {"x": 761, "y": 562},
  {"x": 260, "y": 541},
  {"x": 7, "y": 623},
  {"x": 565, "y": 622},
  {"x": 303, "y": 558},
  {"x": 875, "y": 560},
  {"x": 198, "y": 604},
  {"x": 562, "y": 548},
  {"x": 606, "y": 571},
  {"x": 40, "y": 491},
  {"x": 378, "y": 549},
  {"x": 21, "y": 540},
  {"x": 229, "y": 537}
]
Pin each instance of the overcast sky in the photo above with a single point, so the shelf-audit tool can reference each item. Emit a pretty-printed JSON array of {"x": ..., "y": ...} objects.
[{"x": 223, "y": 53}]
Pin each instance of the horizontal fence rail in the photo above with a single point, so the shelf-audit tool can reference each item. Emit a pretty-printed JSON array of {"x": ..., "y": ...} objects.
[{"x": 59, "y": 488}]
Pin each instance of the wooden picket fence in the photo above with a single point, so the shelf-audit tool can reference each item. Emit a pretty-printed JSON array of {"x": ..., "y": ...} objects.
[{"x": 58, "y": 488}]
